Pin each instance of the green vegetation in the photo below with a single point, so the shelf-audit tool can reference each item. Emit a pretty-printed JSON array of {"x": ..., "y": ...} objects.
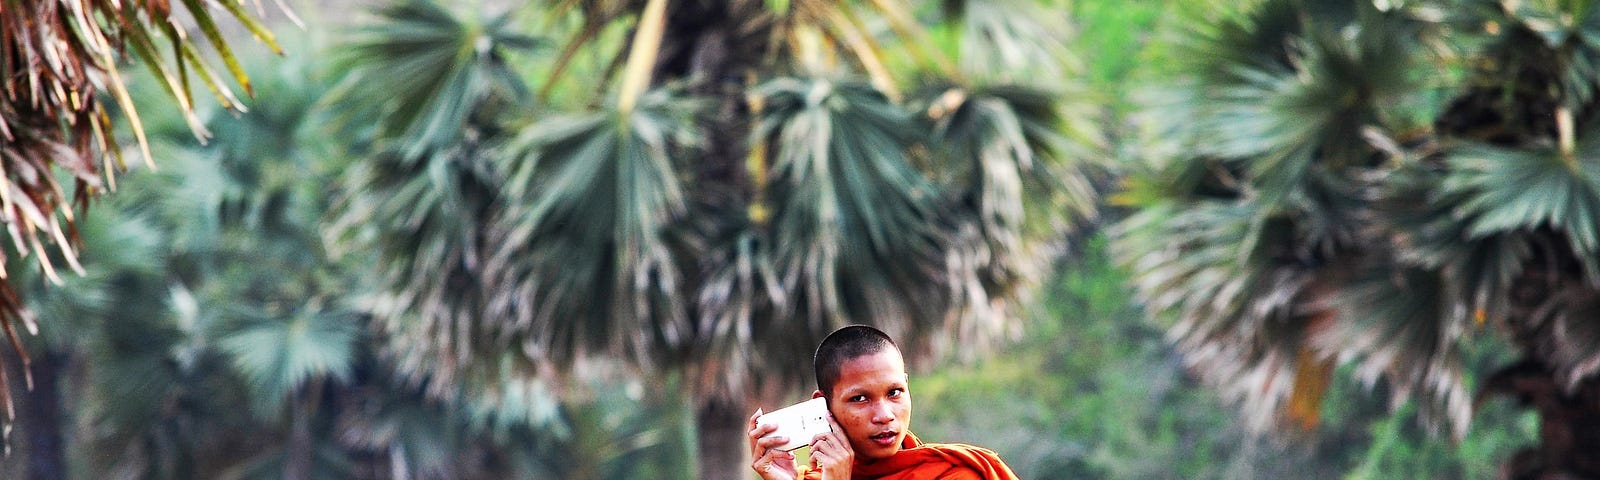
[
  {"x": 62, "y": 74},
  {"x": 747, "y": 177},
  {"x": 1370, "y": 189},
  {"x": 452, "y": 244},
  {"x": 1093, "y": 390}
]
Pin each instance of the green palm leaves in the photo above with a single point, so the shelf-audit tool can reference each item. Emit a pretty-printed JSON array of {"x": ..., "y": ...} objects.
[
  {"x": 757, "y": 180},
  {"x": 1315, "y": 213},
  {"x": 431, "y": 80},
  {"x": 589, "y": 235},
  {"x": 278, "y": 356},
  {"x": 851, "y": 217},
  {"x": 439, "y": 70},
  {"x": 682, "y": 224},
  {"x": 1006, "y": 154},
  {"x": 1243, "y": 245},
  {"x": 59, "y": 63},
  {"x": 1504, "y": 191},
  {"x": 1544, "y": 200}
]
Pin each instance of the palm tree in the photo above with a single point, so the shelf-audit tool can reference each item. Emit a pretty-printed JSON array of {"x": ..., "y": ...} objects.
[
  {"x": 60, "y": 63},
  {"x": 758, "y": 174},
  {"x": 1377, "y": 185},
  {"x": 214, "y": 337}
]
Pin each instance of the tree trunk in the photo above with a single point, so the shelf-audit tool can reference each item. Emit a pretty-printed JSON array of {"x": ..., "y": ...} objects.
[
  {"x": 300, "y": 454},
  {"x": 40, "y": 418},
  {"x": 715, "y": 58},
  {"x": 724, "y": 452},
  {"x": 297, "y": 456}
]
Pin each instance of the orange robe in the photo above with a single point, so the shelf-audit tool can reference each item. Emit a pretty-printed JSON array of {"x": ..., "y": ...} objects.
[{"x": 930, "y": 461}]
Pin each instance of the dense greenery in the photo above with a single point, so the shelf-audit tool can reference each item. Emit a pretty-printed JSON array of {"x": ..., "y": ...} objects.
[
  {"x": 1095, "y": 391},
  {"x": 746, "y": 177},
  {"x": 338, "y": 284},
  {"x": 1370, "y": 189},
  {"x": 62, "y": 74},
  {"x": 218, "y": 338}
]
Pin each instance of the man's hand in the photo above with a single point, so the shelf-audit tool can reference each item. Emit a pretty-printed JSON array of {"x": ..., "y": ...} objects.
[
  {"x": 831, "y": 453},
  {"x": 771, "y": 463}
]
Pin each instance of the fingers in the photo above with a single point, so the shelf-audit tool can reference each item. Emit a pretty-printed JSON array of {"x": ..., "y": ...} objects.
[
  {"x": 835, "y": 424},
  {"x": 832, "y": 453},
  {"x": 762, "y": 446},
  {"x": 763, "y": 430},
  {"x": 770, "y": 463},
  {"x": 829, "y": 446},
  {"x": 838, "y": 434},
  {"x": 775, "y": 465},
  {"x": 820, "y": 437},
  {"x": 771, "y": 442},
  {"x": 755, "y": 434},
  {"x": 827, "y": 457},
  {"x": 821, "y": 454}
]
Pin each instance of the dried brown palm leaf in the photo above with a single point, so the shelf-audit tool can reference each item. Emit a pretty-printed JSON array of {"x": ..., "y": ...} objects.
[{"x": 59, "y": 63}]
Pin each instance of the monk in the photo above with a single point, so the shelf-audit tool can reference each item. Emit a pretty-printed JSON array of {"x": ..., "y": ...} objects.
[{"x": 863, "y": 377}]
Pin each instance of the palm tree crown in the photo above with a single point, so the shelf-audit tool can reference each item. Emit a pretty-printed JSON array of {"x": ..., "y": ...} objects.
[
  {"x": 1377, "y": 185},
  {"x": 763, "y": 174}
]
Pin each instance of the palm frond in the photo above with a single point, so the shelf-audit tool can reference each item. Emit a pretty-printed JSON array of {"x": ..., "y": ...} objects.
[
  {"x": 1004, "y": 154},
  {"x": 596, "y": 196},
  {"x": 1568, "y": 31},
  {"x": 739, "y": 301},
  {"x": 426, "y": 71},
  {"x": 1433, "y": 236},
  {"x": 436, "y": 81},
  {"x": 1302, "y": 219},
  {"x": 172, "y": 396},
  {"x": 278, "y": 356},
  {"x": 430, "y": 246},
  {"x": 59, "y": 61},
  {"x": 1241, "y": 318},
  {"x": 1404, "y": 327},
  {"x": 1280, "y": 125},
  {"x": 115, "y": 247},
  {"x": 1569, "y": 334},
  {"x": 1264, "y": 84},
  {"x": 1505, "y": 191},
  {"x": 423, "y": 436},
  {"x": 848, "y": 206},
  {"x": 1013, "y": 41}
]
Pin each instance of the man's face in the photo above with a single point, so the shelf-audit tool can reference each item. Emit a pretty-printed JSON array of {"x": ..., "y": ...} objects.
[{"x": 872, "y": 403}]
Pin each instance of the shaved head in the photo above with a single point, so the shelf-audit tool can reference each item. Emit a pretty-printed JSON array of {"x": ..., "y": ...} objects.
[{"x": 843, "y": 345}]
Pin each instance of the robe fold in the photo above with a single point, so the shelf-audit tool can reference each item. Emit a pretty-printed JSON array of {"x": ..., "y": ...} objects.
[{"x": 930, "y": 461}]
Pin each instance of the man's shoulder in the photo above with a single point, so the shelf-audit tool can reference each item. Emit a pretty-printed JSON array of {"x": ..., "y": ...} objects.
[
  {"x": 935, "y": 471},
  {"x": 962, "y": 450},
  {"x": 969, "y": 462},
  {"x": 961, "y": 447},
  {"x": 958, "y": 472},
  {"x": 939, "y": 471}
]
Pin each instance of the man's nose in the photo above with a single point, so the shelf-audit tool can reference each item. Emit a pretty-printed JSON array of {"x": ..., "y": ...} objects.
[{"x": 882, "y": 414}]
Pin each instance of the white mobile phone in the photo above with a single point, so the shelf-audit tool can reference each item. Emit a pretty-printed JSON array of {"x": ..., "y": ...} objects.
[{"x": 800, "y": 422}]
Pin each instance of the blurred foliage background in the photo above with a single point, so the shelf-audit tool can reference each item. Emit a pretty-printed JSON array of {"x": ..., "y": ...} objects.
[{"x": 230, "y": 324}]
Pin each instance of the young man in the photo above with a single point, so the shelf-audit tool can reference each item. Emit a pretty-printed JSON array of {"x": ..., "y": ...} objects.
[{"x": 863, "y": 377}]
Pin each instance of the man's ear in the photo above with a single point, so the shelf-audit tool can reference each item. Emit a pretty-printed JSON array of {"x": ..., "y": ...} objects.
[{"x": 816, "y": 394}]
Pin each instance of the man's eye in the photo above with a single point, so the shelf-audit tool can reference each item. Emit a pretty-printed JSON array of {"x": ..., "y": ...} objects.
[
  {"x": 858, "y": 398},
  {"x": 896, "y": 392}
]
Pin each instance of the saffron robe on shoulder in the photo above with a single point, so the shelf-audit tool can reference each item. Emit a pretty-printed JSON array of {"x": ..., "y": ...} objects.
[{"x": 930, "y": 461}]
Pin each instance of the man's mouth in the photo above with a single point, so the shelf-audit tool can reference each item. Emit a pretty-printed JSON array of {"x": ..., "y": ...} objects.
[{"x": 884, "y": 439}]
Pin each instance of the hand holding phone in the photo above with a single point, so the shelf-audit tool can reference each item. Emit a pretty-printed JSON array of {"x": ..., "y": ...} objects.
[{"x": 800, "y": 422}]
